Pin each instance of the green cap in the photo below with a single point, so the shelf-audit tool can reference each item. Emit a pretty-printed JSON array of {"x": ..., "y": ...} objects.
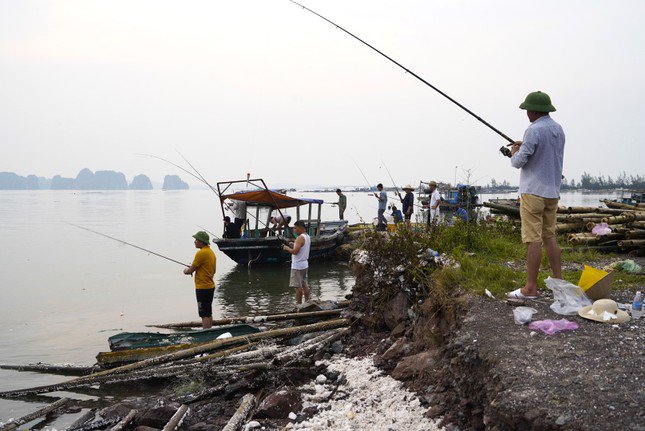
[
  {"x": 202, "y": 236},
  {"x": 538, "y": 102}
]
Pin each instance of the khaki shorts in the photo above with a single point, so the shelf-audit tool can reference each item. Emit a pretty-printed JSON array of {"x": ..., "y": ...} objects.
[
  {"x": 538, "y": 216},
  {"x": 298, "y": 278}
]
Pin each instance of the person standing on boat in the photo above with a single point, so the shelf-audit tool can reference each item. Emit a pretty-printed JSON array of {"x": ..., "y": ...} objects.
[
  {"x": 299, "y": 261},
  {"x": 540, "y": 157},
  {"x": 342, "y": 204},
  {"x": 239, "y": 210},
  {"x": 408, "y": 204},
  {"x": 382, "y": 204},
  {"x": 433, "y": 205},
  {"x": 204, "y": 268}
]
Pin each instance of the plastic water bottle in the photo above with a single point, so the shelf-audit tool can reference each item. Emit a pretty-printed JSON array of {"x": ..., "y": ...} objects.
[{"x": 637, "y": 306}]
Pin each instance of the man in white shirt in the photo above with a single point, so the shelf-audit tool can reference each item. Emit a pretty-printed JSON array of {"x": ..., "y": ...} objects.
[
  {"x": 299, "y": 261},
  {"x": 433, "y": 205}
]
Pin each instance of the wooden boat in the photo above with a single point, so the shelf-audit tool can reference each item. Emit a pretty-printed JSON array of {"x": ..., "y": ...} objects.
[
  {"x": 142, "y": 340},
  {"x": 261, "y": 243},
  {"x": 140, "y": 346}
]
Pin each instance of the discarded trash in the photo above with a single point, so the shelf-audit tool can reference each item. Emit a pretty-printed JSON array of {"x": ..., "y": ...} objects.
[
  {"x": 490, "y": 295},
  {"x": 432, "y": 253},
  {"x": 595, "y": 283},
  {"x": 626, "y": 265},
  {"x": 550, "y": 327},
  {"x": 523, "y": 315},
  {"x": 569, "y": 298},
  {"x": 224, "y": 335},
  {"x": 637, "y": 306},
  {"x": 604, "y": 311},
  {"x": 601, "y": 229}
]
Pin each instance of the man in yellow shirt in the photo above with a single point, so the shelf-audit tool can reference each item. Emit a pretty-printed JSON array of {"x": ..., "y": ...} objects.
[{"x": 204, "y": 268}]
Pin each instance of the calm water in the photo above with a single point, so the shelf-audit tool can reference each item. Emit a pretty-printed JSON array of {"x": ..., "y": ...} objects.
[{"x": 64, "y": 291}]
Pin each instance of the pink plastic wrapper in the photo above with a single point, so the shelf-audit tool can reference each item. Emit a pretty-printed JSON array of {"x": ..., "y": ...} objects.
[
  {"x": 601, "y": 229},
  {"x": 550, "y": 327}
]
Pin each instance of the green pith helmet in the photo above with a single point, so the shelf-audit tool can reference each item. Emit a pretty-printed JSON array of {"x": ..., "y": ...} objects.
[
  {"x": 538, "y": 102},
  {"x": 202, "y": 236}
]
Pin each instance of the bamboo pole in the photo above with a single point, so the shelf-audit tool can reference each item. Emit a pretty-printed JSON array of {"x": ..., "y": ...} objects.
[
  {"x": 247, "y": 404},
  {"x": 82, "y": 420},
  {"x": 11, "y": 425},
  {"x": 125, "y": 421},
  {"x": 620, "y": 205},
  {"x": 253, "y": 319},
  {"x": 503, "y": 208},
  {"x": 625, "y": 218},
  {"x": 185, "y": 353},
  {"x": 635, "y": 234},
  {"x": 304, "y": 351},
  {"x": 584, "y": 216},
  {"x": 67, "y": 370},
  {"x": 637, "y": 224},
  {"x": 568, "y": 227},
  {"x": 632, "y": 243},
  {"x": 177, "y": 418}
]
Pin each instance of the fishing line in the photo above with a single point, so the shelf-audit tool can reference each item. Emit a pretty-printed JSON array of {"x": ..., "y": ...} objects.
[{"x": 503, "y": 149}]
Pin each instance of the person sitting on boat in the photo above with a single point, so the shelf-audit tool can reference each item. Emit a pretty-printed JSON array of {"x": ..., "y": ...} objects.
[
  {"x": 203, "y": 266},
  {"x": 299, "y": 250},
  {"x": 278, "y": 223},
  {"x": 397, "y": 215},
  {"x": 230, "y": 229},
  {"x": 408, "y": 203}
]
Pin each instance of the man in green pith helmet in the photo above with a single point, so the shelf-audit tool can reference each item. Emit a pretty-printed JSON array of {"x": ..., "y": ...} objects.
[
  {"x": 204, "y": 268},
  {"x": 539, "y": 156}
]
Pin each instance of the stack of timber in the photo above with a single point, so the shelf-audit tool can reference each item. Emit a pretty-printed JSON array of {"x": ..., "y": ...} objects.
[{"x": 627, "y": 224}]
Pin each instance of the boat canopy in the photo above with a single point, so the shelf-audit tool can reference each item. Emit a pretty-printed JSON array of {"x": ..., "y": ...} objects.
[{"x": 269, "y": 198}]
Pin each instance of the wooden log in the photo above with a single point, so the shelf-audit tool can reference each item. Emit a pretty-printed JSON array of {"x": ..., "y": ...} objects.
[
  {"x": 240, "y": 415},
  {"x": 304, "y": 351},
  {"x": 125, "y": 421},
  {"x": 253, "y": 319},
  {"x": 66, "y": 370},
  {"x": 11, "y": 425},
  {"x": 97, "y": 425},
  {"x": 203, "y": 348},
  {"x": 177, "y": 418},
  {"x": 82, "y": 420}
]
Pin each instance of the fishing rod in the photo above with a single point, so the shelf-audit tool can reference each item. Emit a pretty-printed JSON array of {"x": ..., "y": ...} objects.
[
  {"x": 504, "y": 150},
  {"x": 363, "y": 174},
  {"x": 197, "y": 172},
  {"x": 390, "y": 175},
  {"x": 131, "y": 245}
]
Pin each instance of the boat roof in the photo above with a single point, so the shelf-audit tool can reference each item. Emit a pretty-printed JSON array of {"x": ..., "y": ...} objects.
[{"x": 269, "y": 198}]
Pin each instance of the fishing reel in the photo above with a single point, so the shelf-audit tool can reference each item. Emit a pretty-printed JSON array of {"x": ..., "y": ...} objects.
[{"x": 505, "y": 151}]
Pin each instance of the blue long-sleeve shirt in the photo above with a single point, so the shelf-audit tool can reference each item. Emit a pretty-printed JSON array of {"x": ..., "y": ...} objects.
[{"x": 540, "y": 157}]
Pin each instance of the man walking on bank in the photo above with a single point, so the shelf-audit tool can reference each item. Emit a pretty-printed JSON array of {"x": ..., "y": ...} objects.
[
  {"x": 539, "y": 156},
  {"x": 299, "y": 261},
  {"x": 204, "y": 268},
  {"x": 433, "y": 205}
]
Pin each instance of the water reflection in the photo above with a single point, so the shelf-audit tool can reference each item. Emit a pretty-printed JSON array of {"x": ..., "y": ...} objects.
[{"x": 265, "y": 289}]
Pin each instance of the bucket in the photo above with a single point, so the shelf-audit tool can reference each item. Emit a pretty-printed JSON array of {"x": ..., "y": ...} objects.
[{"x": 596, "y": 283}]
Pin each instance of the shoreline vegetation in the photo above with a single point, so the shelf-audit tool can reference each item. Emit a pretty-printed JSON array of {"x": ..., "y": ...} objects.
[{"x": 418, "y": 313}]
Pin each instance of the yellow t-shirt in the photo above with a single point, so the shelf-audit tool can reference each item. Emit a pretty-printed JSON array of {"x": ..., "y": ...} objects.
[{"x": 205, "y": 263}]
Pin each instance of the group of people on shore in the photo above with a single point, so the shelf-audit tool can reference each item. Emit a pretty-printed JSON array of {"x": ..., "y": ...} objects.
[{"x": 539, "y": 156}]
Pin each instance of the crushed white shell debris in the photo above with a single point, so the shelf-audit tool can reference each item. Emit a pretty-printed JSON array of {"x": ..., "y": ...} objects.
[{"x": 366, "y": 399}]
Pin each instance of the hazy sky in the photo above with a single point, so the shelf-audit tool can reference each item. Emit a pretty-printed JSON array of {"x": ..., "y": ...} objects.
[{"x": 262, "y": 86}]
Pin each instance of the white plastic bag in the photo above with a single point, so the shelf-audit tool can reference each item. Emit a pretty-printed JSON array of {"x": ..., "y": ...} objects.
[
  {"x": 523, "y": 315},
  {"x": 568, "y": 297}
]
